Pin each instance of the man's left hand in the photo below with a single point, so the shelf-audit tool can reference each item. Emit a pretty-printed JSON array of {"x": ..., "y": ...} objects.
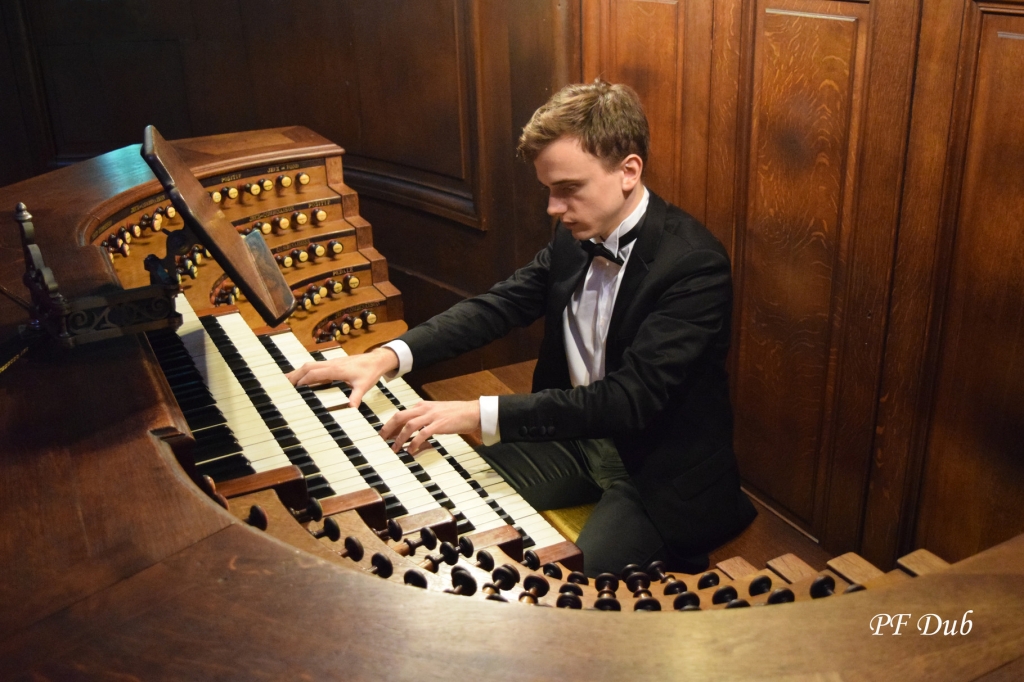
[{"x": 429, "y": 418}]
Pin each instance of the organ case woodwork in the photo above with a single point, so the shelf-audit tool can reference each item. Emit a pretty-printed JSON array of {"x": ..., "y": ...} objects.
[{"x": 299, "y": 206}]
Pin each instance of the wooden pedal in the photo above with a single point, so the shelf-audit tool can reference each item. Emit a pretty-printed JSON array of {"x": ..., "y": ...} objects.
[
  {"x": 893, "y": 577},
  {"x": 854, "y": 568},
  {"x": 288, "y": 481},
  {"x": 922, "y": 562},
  {"x": 565, "y": 553},
  {"x": 368, "y": 503},
  {"x": 791, "y": 568},
  {"x": 736, "y": 567}
]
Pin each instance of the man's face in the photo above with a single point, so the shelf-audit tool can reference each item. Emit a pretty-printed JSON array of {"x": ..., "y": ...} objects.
[{"x": 589, "y": 198}]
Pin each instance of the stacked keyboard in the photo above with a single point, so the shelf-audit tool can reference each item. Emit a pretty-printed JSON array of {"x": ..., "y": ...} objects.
[{"x": 246, "y": 417}]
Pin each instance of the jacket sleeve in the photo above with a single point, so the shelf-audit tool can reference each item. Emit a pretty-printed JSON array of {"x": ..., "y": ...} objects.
[
  {"x": 475, "y": 322},
  {"x": 691, "y": 314}
]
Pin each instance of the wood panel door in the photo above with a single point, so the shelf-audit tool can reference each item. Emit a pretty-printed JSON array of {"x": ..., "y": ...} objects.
[
  {"x": 950, "y": 457},
  {"x": 824, "y": 121}
]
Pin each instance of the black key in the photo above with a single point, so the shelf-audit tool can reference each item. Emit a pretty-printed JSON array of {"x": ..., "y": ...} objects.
[
  {"x": 225, "y": 469},
  {"x": 204, "y": 417}
]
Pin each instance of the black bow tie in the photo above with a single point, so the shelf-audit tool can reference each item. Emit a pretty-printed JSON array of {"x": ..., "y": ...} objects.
[{"x": 596, "y": 250}]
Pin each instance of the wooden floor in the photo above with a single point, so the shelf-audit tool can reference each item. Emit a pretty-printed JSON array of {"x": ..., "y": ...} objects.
[{"x": 769, "y": 536}]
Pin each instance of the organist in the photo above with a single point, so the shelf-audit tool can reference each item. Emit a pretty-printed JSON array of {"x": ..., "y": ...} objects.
[{"x": 630, "y": 404}]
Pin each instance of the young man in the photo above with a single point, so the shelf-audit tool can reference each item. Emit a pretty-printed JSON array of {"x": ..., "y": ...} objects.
[{"x": 630, "y": 405}]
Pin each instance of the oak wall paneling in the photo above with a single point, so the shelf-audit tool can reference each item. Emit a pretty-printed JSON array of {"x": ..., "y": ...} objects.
[
  {"x": 420, "y": 67},
  {"x": 890, "y": 506},
  {"x": 807, "y": 98},
  {"x": 725, "y": 148},
  {"x": 830, "y": 100},
  {"x": 971, "y": 435}
]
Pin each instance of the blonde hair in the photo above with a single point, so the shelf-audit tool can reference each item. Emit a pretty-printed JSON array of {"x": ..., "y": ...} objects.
[{"x": 608, "y": 120}]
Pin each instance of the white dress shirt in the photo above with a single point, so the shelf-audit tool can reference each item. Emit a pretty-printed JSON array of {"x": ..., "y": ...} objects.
[{"x": 585, "y": 322}]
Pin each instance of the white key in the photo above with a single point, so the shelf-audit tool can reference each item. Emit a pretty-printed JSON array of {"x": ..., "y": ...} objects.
[
  {"x": 257, "y": 443},
  {"x": 334, "y": 353},
  {"x": 406, "y": 488},
  {"x": 300, "y": 418}
]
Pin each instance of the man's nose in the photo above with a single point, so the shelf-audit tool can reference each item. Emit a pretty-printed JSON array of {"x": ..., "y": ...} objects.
[{"x": 556, "y": 207}]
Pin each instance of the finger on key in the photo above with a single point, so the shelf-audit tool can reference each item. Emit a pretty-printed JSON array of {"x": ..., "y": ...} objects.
[
  {"x": 324, "y": 374},
  {"x": 395, "y": 424},
  {"x": 296, "y": 374},
  {"x": 420, "y": 440},
  {"x": 408, "y": 431},
  {"x": 359, "y": 389},
  {"x": 413, "y": 424}
]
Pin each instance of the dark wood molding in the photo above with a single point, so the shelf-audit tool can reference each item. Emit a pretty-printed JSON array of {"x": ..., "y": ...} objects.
[
  {"x": 369, "y": 179},
  {"x": 427, "y": 280},
  {"x": 945, "y": 236}
]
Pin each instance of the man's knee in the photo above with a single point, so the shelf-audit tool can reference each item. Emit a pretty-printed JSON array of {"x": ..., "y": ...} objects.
[
  {"x": 546, "y": 474},
  {"x": 611, "y": 555}
]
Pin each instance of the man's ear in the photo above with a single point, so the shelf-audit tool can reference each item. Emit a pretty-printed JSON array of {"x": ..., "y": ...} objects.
[{"x": 632, "y": 167}]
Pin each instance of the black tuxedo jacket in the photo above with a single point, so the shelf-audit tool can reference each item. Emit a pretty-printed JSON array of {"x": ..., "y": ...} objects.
[{"x": 664, "y": 398}]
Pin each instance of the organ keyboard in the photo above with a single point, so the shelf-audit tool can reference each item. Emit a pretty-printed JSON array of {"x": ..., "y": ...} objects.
[
  {"x": 116, "y": 564},
  {"x": 268, "y": 423}
]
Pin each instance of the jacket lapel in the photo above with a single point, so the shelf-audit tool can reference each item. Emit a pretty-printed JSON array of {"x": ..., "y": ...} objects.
[
  {"x": 568, "y": 273},
  {"x": 651, "y": 228}
]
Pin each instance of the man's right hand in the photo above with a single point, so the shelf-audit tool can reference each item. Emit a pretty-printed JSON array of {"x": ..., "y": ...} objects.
[{"x": 361, "y": 372}]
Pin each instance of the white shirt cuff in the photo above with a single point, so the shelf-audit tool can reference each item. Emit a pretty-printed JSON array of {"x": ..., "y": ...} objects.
[
  {"x": 404, "y": 353},
  {"x": 489, "y": 430}
]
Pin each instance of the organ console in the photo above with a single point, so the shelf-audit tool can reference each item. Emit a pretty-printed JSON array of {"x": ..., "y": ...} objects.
[{"x": 173, "y": 507}]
